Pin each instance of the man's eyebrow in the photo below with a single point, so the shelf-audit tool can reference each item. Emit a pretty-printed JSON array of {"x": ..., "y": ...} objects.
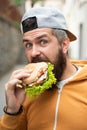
[
  {"x": 37, "y": 38},
  {"x": 25, "y": 40}
]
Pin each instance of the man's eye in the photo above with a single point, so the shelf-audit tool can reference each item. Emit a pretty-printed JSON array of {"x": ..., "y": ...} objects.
[
  {"x": 28, "y": 45},
  {"x": 43, "y": 42}
]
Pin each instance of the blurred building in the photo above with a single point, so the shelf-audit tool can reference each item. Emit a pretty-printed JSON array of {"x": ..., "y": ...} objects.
[
  {"x": 75, "y": 11},
  {"x": 76, "y": 17},
  {"x": 10, "y": 36}
]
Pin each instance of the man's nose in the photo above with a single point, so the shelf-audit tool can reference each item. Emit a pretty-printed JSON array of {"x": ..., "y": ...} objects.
[{"x": 35, "y": 51}]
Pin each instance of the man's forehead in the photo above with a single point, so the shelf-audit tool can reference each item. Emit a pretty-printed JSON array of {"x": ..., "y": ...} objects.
[{"x": 37, "y": 33}]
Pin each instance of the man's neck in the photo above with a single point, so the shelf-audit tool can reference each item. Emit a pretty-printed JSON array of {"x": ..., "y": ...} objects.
[{"x": 69, "y": 71}]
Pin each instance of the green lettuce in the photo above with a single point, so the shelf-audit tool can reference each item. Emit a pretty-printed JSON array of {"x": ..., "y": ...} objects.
[{"x": 36, "y": 90}]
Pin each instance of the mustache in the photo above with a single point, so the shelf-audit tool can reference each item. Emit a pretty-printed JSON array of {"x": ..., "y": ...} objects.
[{"x": 39, "y": 59}]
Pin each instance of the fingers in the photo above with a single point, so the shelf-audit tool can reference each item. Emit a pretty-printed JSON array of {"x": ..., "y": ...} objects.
[
  {"x": 19, "y": 74},
  {"x": 18, "y": 71},
  {"x": 10, "y": 85},
  {"x": 16, "y": 78}
]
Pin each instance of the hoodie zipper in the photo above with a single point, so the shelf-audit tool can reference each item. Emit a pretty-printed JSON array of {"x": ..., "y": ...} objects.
[
  {"x": 57, "y": 107},
  {"x": 58, "y": 98}
]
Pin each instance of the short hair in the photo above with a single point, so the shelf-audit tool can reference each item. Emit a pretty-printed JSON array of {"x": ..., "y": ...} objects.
[{"x": 59, "y": 34}]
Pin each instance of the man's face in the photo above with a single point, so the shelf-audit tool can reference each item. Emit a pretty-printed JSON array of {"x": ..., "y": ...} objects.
[{"x": 41, "y": 45}]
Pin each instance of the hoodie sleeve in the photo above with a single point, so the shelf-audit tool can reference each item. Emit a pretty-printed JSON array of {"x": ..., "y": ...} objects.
[{"x": 17, "y": 122}]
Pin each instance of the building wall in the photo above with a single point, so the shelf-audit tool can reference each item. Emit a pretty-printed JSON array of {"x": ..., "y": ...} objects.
[
  {"x": 76, "y": 13},
  {"x": 10, "y": 39},
  {"x": 83, "y": 29}
]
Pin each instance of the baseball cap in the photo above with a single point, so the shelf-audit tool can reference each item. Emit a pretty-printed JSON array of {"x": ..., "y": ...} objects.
[{"x": 45, "y": 17}]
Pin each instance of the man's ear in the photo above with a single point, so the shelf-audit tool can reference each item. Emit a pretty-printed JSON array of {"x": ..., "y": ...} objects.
[{"x": 65, "y": 45}]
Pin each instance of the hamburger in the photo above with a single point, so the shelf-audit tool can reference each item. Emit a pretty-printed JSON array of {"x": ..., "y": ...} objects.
[
  {"x": 38, "y": 74},
  {"x": 41, "y": 78}
]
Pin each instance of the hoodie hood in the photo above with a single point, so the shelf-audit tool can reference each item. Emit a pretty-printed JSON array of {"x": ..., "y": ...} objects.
[{"x": 82, "y": 74}]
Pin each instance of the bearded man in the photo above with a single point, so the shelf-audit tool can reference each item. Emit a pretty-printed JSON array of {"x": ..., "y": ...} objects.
[{"x": 64, "y": 106}]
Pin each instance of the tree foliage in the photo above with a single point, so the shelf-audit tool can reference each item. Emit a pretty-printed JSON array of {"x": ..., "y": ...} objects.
[{"x": 18, "y": 2}]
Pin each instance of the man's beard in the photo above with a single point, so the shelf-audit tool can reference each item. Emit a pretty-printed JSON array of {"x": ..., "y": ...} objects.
[{"x": 59, "y": 63}]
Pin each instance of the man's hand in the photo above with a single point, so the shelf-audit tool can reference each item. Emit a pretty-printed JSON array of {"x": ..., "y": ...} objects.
[{"x": 15, "y": 95}]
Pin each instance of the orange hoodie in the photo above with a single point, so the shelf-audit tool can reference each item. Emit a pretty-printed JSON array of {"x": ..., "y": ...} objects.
[{"x": 62, "y": 108}]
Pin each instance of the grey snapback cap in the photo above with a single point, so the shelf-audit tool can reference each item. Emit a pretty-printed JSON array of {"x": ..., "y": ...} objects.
[{"x": 45, "y": 17}]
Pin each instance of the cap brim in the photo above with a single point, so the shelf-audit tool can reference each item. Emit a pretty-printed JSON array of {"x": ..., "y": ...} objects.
[{"x": 71, "y": 36}]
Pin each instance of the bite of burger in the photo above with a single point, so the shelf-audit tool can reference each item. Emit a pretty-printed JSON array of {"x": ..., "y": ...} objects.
[
  {"x": 38, "y": 75},
  {"x": 40, "y": 79}
]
